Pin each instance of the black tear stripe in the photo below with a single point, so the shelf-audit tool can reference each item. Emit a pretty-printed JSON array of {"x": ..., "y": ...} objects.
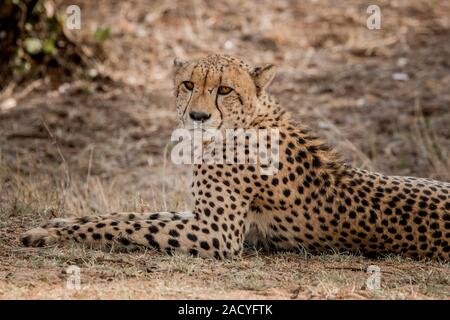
[
  {"x": 206, "y": 79},
  {"x": 192, "y": 92},
  {"x": 240, "y": 98},
  {"x": 187, "y": 105},
  {"x": 217, "y": 104}
]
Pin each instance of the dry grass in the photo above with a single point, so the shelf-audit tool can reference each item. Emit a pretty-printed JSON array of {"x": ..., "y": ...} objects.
[{"x": 88, "y": 147}]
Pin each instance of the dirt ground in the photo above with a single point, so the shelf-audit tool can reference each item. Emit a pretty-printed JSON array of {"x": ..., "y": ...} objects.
[{"x": 90, "y": 145}]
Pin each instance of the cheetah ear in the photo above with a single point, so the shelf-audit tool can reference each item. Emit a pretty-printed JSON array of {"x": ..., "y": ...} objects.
[
  {"x": 178, "y": 63},
  {"x": 263, "y": 75}
]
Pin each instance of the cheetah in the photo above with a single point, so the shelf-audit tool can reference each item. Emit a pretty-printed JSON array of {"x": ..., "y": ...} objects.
[{"x": 314, "y": 201}]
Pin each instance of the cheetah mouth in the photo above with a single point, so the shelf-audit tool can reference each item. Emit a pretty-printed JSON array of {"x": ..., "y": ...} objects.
[{"x": 192, "y": 126}]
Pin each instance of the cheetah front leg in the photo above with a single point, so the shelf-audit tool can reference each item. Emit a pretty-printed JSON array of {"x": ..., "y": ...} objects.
[
  {"x": 119, "y": 216},
  {"x": 216, "y": 228},
  {"x": 186, "y": 235}
]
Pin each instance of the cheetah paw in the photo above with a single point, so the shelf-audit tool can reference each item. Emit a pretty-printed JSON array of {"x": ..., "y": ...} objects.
[{"x": 38, "y": 237}]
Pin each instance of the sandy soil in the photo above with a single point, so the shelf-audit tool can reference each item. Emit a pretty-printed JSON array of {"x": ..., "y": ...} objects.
[{"x": 88, "y": 145}]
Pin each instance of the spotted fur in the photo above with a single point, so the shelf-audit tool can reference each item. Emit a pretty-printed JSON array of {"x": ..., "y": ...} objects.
[{"x": 314, "y": 202}]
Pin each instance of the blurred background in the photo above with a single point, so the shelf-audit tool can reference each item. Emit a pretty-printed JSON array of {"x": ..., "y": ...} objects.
[
  {"x": 94, "y": 103},
  {"x": 86, "y": 114}
]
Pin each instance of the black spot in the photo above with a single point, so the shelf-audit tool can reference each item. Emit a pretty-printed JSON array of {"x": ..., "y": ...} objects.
[
  {"x": 204, "y": 245},
  {"x": 124, "y": 241},
  {"x": 108, "y": 236},
  {"x": 151, "y": 241},
  {"x": 174, "y": 233},
  {"x": 96, "y": 236},
  {"x": 316, "y": 162},
  {"x": 137, "y": 226},
  {"x": 422, "y": 229},
  {"x": 216, "y": 243},
  {"x": 192, "y": 237},
  {"x": 174, "y": 243}
]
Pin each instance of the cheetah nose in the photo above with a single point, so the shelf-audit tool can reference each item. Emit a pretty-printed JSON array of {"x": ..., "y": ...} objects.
[{"x": 199, "y": 116}]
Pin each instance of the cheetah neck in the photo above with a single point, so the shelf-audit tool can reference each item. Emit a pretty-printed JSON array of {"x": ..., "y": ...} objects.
[{"x": 270, "y": 114}]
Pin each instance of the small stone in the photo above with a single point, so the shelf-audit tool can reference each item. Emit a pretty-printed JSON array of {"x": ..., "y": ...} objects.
[
  {"x": 8, "y": 104},
  {"x": 401, "y": 62},
  {"x": 324, "y": 125},
  {"x": 361, "y": 102},
  {"x": 92, "y": 73},
  {"x": 400, "y": 76},
  {"x": 228, "y": 45}
]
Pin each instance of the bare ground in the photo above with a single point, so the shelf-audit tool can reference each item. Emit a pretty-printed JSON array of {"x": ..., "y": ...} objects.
[{"x": 94, "y": 146}]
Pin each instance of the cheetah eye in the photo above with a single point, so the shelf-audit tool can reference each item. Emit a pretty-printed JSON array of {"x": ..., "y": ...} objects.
[
  {"x": 224, "y": 90},
  {"x": 188, "y": 85}
]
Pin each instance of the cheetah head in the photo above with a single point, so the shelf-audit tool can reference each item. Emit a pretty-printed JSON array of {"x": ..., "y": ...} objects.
[{"x": 219, "y": 91}]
